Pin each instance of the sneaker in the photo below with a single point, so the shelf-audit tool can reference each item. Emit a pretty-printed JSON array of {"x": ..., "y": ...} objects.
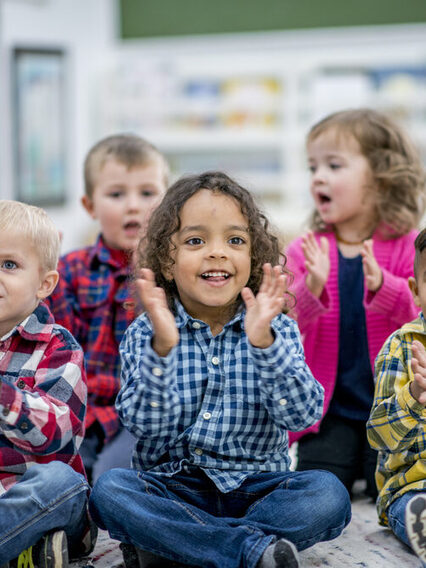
[
  {"x": 415, "y": 524},
  {"x": 280, "y": 554},
  {"x": 50, "y": 552},
  {"x": 136, "y": 558}
]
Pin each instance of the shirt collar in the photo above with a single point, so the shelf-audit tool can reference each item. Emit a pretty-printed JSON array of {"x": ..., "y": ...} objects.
[
  {"x": 101, "y": 253},
  {"x": 36, "y": 327},
  {"x": 183, "y": 318}
]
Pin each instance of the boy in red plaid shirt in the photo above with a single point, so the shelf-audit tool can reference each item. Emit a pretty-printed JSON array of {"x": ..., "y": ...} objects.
[
  {"x": 43, "y": 490},
  {"x": 125, "y": 179}
]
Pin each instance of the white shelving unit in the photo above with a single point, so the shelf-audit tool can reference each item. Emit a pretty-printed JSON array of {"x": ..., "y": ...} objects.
[{"x": 245, "y": 104}]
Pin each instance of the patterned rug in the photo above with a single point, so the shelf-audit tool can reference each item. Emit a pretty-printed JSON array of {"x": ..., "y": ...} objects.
[{"x": 363, "y": 544}]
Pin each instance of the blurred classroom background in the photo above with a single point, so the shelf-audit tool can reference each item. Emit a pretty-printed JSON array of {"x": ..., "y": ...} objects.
[{"x": 230, "y": 84}]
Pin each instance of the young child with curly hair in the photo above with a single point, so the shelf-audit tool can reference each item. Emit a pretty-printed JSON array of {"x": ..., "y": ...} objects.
[{"x": 213, "y": 377}]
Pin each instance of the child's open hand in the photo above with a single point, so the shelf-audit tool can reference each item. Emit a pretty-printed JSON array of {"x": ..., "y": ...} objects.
[
  {"x": 153, "y": 298},
  {"x": 372, "y": 272},
  {"x": 263, "y": 307},
  {"x": 418, "y": 366},
  {"x": 317, "y": 262}
]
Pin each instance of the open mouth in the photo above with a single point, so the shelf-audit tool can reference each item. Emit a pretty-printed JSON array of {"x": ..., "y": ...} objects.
[
  {"x": 323, "y": 198},
  {"x": 215, "y": 276},
  {"x": 132, "y": 226}
]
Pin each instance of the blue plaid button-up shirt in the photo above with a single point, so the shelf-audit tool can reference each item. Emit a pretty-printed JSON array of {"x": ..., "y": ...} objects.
[{"x": 216, "y": 402}]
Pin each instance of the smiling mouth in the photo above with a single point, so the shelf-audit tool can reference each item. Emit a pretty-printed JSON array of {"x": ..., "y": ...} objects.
[{"x": 216, "y": 276}]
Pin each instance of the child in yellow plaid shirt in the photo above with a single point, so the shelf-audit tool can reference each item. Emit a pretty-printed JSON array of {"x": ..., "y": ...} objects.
[{"x": 397, "y": 424}]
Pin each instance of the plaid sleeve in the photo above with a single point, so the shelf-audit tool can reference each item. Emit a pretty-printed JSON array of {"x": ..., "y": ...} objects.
[
  {"x": 148, "y": 402},
  {"x": 292, "y": 396},
  {"x": 45, "y": 411},
  {"x": 396, "y": 419}
]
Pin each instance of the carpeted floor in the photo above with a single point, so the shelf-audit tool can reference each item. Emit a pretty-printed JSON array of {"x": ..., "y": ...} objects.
[{"x": 363, "y": 544}]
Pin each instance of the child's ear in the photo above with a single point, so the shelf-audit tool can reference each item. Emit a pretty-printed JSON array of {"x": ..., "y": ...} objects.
[
  {"x": 414, "y": 290},
  {"x": 168, "y": 274},
  {"x": 47, "y": 284},
  {"x": 88, "y": 205}
]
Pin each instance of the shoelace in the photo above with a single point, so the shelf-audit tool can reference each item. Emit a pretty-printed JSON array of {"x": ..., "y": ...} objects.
[{"x": 25, "y": 559}]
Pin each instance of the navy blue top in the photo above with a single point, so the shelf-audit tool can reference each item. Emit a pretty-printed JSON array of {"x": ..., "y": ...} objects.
[{"x": 354, "y": 391}]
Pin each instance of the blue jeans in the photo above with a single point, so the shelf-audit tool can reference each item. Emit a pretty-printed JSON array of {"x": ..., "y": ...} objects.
[
  {"x": 186, "y": 519},
  {"x": 48, "y": 496},
  {"x": 396, "y": 516}
]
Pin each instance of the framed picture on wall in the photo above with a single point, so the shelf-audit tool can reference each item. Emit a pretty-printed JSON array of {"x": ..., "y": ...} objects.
[{"x": 39, "y": 125}]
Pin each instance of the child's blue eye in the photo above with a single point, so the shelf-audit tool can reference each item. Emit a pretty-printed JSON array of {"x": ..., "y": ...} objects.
[
  {"x": 311, "y": 168},
  {"x": 334, "y": 166},
  {"x": 236, "y": 241},
  {"x": 115, "y": 194},
  {"x": 9, "y": 264},
  {"x": 194, "y": 241}
]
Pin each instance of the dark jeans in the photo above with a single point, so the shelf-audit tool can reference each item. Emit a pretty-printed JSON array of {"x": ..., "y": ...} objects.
[
  {"x": 185, "y": 518},
  {"x": 341, "y": 446}
]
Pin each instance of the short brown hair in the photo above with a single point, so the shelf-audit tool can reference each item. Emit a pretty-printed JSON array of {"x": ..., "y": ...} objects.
[
  {"x": 128, "y": 149},
  {"x": 395, "y": 164},
  {"x": 154, "y": 249}
]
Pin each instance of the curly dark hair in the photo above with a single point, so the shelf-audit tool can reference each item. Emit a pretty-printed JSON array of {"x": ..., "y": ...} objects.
[
  {"x": 398, "y": 174},
  {"x": 155, "y": 247},
  {"x": 419, "y": 247}
]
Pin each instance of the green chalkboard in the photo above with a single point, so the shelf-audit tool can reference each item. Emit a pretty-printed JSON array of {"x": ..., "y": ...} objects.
[{"x": 152, "y": 18}]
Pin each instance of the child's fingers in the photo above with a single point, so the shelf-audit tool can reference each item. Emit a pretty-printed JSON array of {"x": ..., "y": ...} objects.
[
  {"x": 147, "y": 274},
  {"x": 248, "y": 297},
  {"x": 279, "y": 282},
  {"x": 324, "y": 245},
  {"x": 419, "y": 353},
  {"x": 265, "y": 285}
]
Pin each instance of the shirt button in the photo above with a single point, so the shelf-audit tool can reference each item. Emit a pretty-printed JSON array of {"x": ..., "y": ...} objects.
[
  {"x": 154, "y": 404},
  {"x": 5, "y": 411},
  {"x": 198, "y": 451},
  {"x": 20, "y": 384},
  {"x": 283, "y": 401},
  {"x": 196, "y": 325},
  {"x": 215, "y": 360},
  {"x": 129, "y": 305},
  {"x": 24, "y": 426},
  {"x": 157, "y": 371},
  {"x": 207, "y": 415}
]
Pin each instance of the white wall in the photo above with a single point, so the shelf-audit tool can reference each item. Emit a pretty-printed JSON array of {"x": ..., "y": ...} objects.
[{"x": 86, "y": 29}]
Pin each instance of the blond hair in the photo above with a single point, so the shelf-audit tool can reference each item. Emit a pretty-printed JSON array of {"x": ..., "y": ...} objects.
[
  {"x": 127, "y": 149},
  {"x": 398, "y": 175},
  {"x": 33, "y": 223}
]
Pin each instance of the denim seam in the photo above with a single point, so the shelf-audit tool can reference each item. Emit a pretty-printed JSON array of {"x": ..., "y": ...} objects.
[
  {"x": 254, "y": 555},
  {"x": 42, "y": 513}
]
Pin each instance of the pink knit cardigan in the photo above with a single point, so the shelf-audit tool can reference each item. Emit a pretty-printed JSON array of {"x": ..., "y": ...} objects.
[{"x": 386, "y": 310}]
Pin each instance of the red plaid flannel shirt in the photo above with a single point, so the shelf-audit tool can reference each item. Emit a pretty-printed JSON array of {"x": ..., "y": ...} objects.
[
  {"x": 43, "y": 395},
  {"x": 94, "y": 301}
]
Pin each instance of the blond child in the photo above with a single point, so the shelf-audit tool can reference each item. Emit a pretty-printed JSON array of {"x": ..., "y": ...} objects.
[
  {"x": 397, "y": 424},
  {"x": 125, "y": 177},
  {"x": 43, "y": 490},
  {"x": 213, "y": 377},
  {"x": 351, "y": 274}
]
